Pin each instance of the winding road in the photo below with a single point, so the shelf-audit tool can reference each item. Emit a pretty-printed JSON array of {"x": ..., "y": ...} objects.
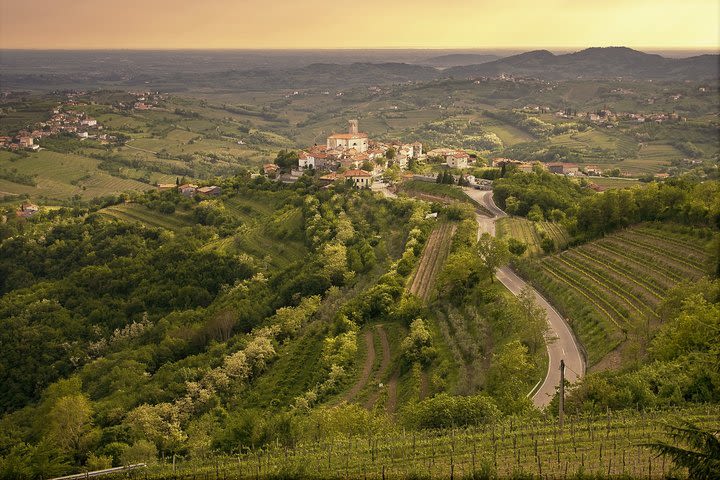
[{"x": 560, "y": 341}]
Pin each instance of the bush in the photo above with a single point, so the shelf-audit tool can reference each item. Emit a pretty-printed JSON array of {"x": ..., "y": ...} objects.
[
  {"x": 445, "y": 411},
  {"x": 516, "y": 246},
  {"x": 417, "y": 346}
]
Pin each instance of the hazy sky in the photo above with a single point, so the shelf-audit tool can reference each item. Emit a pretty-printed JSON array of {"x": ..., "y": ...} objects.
[{"x": 358, "y": 24}]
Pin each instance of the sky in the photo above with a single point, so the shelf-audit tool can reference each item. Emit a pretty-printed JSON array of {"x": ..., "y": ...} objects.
[{"x": 332, "y": 24}]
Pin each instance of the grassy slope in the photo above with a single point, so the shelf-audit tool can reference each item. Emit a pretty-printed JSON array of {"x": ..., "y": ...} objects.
[{"x": 610, "y": 288}]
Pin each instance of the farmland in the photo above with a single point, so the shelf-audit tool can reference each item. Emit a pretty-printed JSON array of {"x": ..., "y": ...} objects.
[
  {"x": 138, "y": 213},
  {"x": 431, "y": 261},
  {"x": 610, "y": 182},
  {"x": 604, "y": 445},
  {"x": 531, "y": 233},
  {"x": 610, "y": 288}
]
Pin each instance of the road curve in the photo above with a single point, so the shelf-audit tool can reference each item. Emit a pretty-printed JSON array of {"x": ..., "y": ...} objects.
[{"x": 560, "y": 341}]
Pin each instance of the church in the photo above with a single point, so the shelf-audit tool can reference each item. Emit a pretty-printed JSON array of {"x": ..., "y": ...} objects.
[{"x": 352, "y": 139}]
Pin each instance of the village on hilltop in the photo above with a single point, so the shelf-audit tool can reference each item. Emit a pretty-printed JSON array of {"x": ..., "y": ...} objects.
[{"x": 354, "y": 157}]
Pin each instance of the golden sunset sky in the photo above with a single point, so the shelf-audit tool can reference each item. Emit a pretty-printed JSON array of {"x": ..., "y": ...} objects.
[{"x": 176, "y": 24}]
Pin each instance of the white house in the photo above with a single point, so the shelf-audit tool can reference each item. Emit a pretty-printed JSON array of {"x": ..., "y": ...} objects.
[
  {"x": 360, "y": 178},
  {"x": 457, "y": 160},
  {"x": 305, "y": 160}
]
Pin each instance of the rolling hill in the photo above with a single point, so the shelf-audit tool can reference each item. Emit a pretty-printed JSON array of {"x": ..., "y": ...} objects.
[{"x": 607, "y": 62}]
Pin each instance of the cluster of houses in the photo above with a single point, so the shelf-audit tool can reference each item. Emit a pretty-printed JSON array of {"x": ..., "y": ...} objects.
[
  {"x": 190, "y": 190},
  {"x": 352, "y": 153},
  {"x": 606, "y": 116},
  {"x": 144, "y": 100},
  {"x": 64, "y": 119},
  {"x": 24, "y": 140},
  {"x": 559, "y": 168},
  {"x": 354, "y": 156},
  {"x": 453, "y": 158},
  {"x": 354, "y": 149}
]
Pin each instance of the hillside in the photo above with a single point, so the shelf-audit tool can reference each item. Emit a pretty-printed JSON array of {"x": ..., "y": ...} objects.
[
  {"x": 601, "y": 446},
  {"x": 458, "y": 59},
  {"x": 336, "y": 72},
  {"x": 611, "y": 288},
  {"x": 607, "y": 62}
]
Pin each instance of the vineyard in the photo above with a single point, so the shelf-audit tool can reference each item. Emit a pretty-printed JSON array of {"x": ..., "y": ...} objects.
[
  {"x": 531, "y": 233},
  {"x": 138, "y": 213},
  {"x": 604, "y": 446},
  {"x": 612, "y": 286},
  {"x": 432, "y": 259}
]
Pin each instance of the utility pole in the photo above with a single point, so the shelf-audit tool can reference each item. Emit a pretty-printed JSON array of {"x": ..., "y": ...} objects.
[{"x": 562, "y": 394}]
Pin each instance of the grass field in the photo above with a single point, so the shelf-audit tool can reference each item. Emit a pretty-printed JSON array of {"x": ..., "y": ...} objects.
[
  {"x": 530, "y": 233},
  {"x": 59, "y": 176},
  {"x": 610, "y": 288},
  {"x": 608, "y": 182},
  {"x": 651, "y": 158},
  {"x": 601, "y": 446}
]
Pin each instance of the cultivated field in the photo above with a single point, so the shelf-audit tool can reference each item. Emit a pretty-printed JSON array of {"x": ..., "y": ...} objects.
[
  {"x": 531, "y": 233},
  {"x": 138, "y": 213},
  {"x": 433, "y": 256},
  {"x": 60, "y": 176},
  {"x": 611, "y": 287},
  {"x": 611, "y": 182},
  {"x": 600, "y": 446}
]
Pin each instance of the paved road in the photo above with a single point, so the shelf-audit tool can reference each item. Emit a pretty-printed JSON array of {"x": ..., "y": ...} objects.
[
  {"x": 560, "y": 341},
  {"x": 383, "y": 188}
]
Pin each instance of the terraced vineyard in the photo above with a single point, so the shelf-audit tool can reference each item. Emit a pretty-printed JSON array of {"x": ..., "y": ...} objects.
[
  {"x": 433, "y": 256},
  {"x": 612, "y": 286},
  {"x": 600, "y": 446},
  {"x": 531, "y": 232},
  {"x": 138, "y": 213}
]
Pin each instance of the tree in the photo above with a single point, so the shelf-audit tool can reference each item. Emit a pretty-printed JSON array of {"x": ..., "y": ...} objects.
[
  {"x": 534, "y": 318},
  {"x": 535, "y": 214},
  {"x": 390, "y": 153},
  {"x": 512, "y": 205},
  {"x": 69, "y": 424},
  {"x": 516, "y": 247},
  {"x": 417, "y": 346},
  {"x": 158, "y": 423},
  {"x": 701, "y": 456},
  {"x": 286, "y": 159},
  {"x": 493, "y": 252}
]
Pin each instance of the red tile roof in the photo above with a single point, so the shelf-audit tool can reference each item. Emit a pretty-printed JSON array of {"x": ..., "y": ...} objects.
[
  {"x": 348, "y": 136},
  {"x": 357, "y": 173}
]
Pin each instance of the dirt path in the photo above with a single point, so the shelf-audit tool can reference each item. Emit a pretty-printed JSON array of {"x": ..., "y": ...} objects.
[
  {"x": 127, "y": 144},
  {"x": 384, "y": 366},
  {"x": 367, "y": 368}
]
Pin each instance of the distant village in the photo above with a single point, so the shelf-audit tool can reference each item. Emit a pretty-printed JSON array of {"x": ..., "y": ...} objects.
[{"x": 65, "y": 118}]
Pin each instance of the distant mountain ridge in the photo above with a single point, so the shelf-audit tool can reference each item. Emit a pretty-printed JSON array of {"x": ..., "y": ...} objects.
[
  {"x": 596, "y": 62},
  {"x": 591, "y": 63},
  {"x": 458, "y": 60}
]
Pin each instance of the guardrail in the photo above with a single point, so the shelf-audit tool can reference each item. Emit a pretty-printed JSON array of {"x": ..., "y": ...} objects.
[{"x": 97, "y": 473}]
